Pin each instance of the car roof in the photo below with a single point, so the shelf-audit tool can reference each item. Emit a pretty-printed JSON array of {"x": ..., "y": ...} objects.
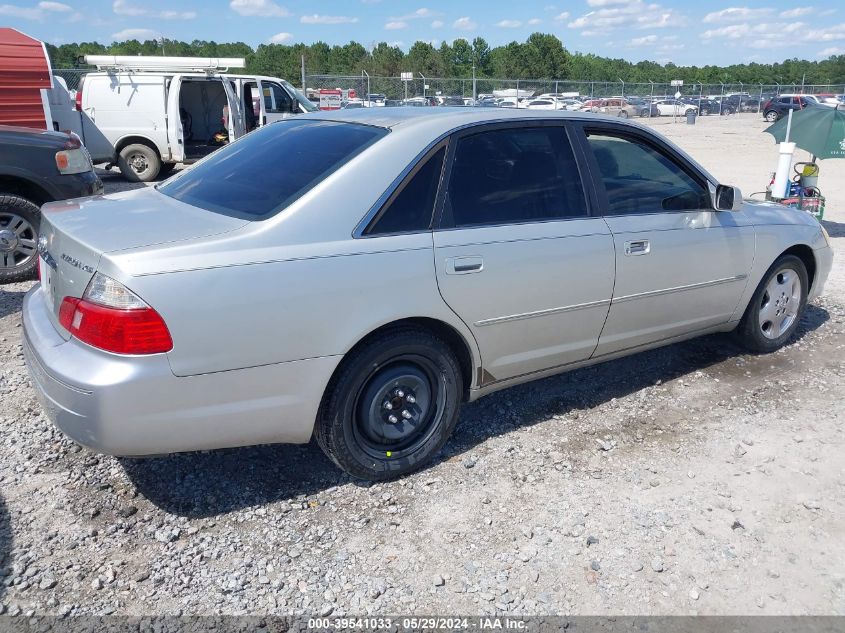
[{"x": 442, "y": 119}]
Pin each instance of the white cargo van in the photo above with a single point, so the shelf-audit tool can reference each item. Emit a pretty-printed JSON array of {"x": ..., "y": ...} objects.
[{"x": 146, "y": 114}]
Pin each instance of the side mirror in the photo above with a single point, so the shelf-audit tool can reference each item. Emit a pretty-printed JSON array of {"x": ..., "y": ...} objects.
[{"x": 727, "y": 198}]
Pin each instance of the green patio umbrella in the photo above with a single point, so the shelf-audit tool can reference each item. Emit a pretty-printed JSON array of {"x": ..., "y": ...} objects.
[{"x": 819, "y": 130}]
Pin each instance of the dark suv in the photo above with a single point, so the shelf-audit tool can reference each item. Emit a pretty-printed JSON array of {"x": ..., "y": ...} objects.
[
  {"x": 777, "y": 107},
  {"x": 36, "y": 166}
]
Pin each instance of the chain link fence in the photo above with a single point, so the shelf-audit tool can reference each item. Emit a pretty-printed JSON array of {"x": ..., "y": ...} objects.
[{"x": 395, "y": 89}]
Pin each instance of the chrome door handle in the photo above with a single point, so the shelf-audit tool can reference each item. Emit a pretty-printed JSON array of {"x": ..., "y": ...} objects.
[
  {"x": 464, "y": 265},
  {"x": 637, "y": 247}
]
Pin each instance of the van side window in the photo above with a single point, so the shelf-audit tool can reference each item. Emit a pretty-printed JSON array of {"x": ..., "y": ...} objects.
[
  {"x": 411, "y": 208},
  {"x": 276, "y": 99}
]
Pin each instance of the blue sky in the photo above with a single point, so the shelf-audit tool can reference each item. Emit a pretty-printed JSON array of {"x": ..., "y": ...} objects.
[{"x": 709, "y": 32}]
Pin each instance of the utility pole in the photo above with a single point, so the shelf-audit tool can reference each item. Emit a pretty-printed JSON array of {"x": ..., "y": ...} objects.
[
  {"x": 474, "y": 93},
  {"x": 364, "y": 72},
  {"x": 424, "y": 82},
  {"x": 623, "y": 87},
  {"x": 302, "y": 69}
]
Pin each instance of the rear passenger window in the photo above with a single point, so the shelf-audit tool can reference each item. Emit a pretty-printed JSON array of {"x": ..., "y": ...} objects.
[
  {"x": 512, "y": 176},
  {"x": 410, "y": 209}
]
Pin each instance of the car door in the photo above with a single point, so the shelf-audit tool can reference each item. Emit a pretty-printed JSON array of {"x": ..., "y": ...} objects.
[
  {"x": 517, "y": 256},
  {"x": 175, "y": 133},
  {"x": 681, "y": 266},
  {"x": 278, "y": 104}
]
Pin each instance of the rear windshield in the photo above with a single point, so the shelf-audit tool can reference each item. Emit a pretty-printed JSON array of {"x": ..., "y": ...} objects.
[{"x": 271, "y": 167}]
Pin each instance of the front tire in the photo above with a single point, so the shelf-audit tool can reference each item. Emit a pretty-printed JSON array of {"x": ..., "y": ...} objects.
[
  {"x": 19, "y": 222},
  {"x": 139, "y": 163},
  {"x": 776, "y": 307},
  {"x": 391, "y": 405},
  {"x": 772, "y": 116}
]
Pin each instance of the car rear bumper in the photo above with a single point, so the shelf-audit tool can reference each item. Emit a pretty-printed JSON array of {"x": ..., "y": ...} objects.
[{"x": 134, "y": 405}]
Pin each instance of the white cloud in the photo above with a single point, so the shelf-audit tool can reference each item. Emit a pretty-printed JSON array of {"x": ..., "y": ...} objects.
[
  {"x": 737, "y": 14},
  {"x": 766, "y": 35},
  {"x": 464, "y": 24},
  {"x": 606, "y": 3},
  {"x": 396, "y": 25},
  {"x": 627, "y": 14},
  {"x": 644, "y": 41},
  {"x": 177, "y": 15},
  {"x": 54, "y": 6},
  {"x": 509, "y": 24},
  {"x": 560, "y": 17},
  {"x": 327, "y": 19},
  {"x": 832, "y": 50},
  {"x": 122, "y": 7},
  {"x": 418, "y": 14},
  {"x": 33, "y": 13},
  {"x": 535, "y": 21},
  {"x": 437, "y": 24},
  {"x": 136, "y": 34},
  {"x": 264, "y": 8},
  {"x": 280, "y": 38},
  {"x": 20, "y": 12},
  {"x": 797, "y": 12}
]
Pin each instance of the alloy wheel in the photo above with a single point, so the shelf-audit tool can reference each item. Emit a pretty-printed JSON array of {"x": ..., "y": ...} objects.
[
  {"x": 18, "y": 241},
  {"x": 780, "y": 303}
]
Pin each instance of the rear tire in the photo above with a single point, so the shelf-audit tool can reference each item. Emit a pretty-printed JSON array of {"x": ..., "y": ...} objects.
[
  {"x": 19, "y": 222},
  {"x": 391, "y": 405},
  {"x": 775, "y": 310},
  {"x": 139, "y": 163},
  {"x": 623, "y": 114},
  {"x": 771, "y": 116}
]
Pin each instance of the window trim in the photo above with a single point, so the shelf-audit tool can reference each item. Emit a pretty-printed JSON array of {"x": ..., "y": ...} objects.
[
  {"x": 629, "y": 132},
  {"x": 364, "y": 228},
  {"x": 565, "y": 124}
]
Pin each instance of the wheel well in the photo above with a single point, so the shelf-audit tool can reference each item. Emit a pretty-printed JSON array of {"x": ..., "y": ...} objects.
[
  {"x": 805, "y": 254},
  {"x": 24, "y": 189},
  {"x": 140, "y": 140},
  {"x": 442, "y": 330}
]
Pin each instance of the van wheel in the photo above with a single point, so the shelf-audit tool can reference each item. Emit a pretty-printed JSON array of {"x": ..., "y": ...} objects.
[
  {"x": 391, "y": 406},
  {"x": 776, "y": 307},
  {"x": 19, "y": 221},
  {"x": 623, "y": 114},
  {"x": 139, "y": 163}
]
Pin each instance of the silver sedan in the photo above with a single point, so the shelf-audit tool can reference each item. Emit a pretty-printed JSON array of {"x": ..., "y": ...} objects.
[{"x": 354, "y": 276}]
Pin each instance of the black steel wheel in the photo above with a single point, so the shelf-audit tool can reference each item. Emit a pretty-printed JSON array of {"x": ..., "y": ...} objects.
[{"x": 391, "y": 405}]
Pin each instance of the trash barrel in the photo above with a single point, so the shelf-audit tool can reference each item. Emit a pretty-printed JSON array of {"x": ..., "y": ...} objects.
[{"x": 691, "y": 117}]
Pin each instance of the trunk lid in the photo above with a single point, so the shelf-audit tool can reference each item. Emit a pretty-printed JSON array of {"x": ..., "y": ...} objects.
[{"x": 74, "y": 234}]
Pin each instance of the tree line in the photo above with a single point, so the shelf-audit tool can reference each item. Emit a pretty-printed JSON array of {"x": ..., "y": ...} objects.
[{"x": 541, "y": 56}]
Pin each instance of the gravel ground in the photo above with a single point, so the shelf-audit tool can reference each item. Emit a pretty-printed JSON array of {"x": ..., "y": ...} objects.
[{"x": 691, "y": 479}]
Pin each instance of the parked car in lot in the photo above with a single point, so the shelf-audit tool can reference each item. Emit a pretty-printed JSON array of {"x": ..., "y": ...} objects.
[
  {"x": 776, "y": 108},
  {"x": 386, "y": 267},
  {"x": 36, "y": 167},
  {"x": 644, "y": 107},
  {"x": 612, "y": 107},
  {"x": 545, "y": 104},
  {"x": 674, "y": 107}
]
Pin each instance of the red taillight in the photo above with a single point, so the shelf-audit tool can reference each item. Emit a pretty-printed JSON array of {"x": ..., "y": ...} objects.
[
  {"x": 79, "y": 99},
  {"x": 134, "y": 331}
]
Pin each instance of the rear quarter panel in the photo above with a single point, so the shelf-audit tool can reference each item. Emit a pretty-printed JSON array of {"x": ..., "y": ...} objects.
[{"x": 302, "y": 303}]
